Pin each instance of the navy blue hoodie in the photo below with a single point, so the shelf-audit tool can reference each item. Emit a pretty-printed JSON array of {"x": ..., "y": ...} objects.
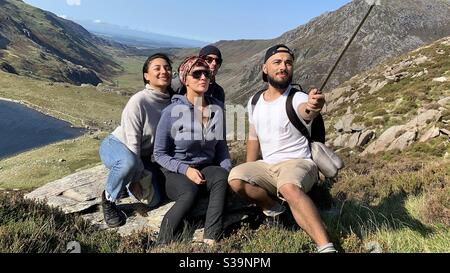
[{"x": 181, "y": 141}]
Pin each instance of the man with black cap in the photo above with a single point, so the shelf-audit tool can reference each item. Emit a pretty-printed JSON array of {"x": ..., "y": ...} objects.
[
  {"x": 286, "y": 171},
  {"x": 213, "y": 57}
]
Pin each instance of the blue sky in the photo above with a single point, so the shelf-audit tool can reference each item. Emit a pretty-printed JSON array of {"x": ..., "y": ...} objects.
[{"x": 207, "y": 20}]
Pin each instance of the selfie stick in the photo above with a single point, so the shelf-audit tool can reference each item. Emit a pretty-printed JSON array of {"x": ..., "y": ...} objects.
[{"x": 348, "y": 43}]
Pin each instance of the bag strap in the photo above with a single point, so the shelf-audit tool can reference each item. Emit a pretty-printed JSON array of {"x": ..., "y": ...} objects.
[
  {"x": 317, "y": 126},
  {"x": 256, "y": 97},
  {"x": 292, "y": 115}
]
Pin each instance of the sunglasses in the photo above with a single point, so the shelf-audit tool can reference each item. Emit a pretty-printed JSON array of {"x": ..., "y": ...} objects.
[
  {"x": 209, "y": 60},
  {"x": 198, "y": 74}
]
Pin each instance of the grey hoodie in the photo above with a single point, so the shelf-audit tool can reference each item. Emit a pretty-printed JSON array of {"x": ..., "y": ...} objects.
[{"x": 182, "y": 142}]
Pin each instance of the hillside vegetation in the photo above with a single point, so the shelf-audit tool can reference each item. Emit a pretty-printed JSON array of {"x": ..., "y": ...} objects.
[{"x": 39, "y": 44}]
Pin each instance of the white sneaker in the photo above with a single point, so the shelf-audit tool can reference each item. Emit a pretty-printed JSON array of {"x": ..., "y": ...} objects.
[
  {"x": 328, "y": 248},
  {"x": 276, "y": 210}
]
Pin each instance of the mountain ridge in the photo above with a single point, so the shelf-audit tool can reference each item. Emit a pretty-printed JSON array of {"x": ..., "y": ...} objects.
[
  {"x": 391, "y": 30},
  {"x": 40, "y": 44}
]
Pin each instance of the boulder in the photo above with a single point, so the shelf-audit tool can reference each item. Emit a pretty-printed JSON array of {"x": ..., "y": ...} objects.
[
  {"x": 430, "y": 134},
  {"x": 397, "y": 77},
  {"x": 345, "y": 123},
  {"x": 358, "y": 127},
  {"x": 384, "y": 140},
  {"x": 353, "y": 141},
  {"x": 341, "y": 140},
  {"x": 337, "y": 93},
  {"x": 423, "y": 119},
  {"x": 445, "y": 132},
  {"x": 403, "y": 141},
  {"x": 441, "y": 79},
  {"x": 365, "y": 137},
  {"x": 354, "y": 96},
  {"x": 444, "y": 101},
  {"x": 376, "y": 86},
  {"x": 420, "y": 60}
]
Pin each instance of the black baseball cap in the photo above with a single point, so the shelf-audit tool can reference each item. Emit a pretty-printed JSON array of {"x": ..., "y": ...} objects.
[{"x": 274, "y": 50}]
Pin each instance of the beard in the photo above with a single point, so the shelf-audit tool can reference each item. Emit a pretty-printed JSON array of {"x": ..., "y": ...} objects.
[{"x": 279, "y": 84}]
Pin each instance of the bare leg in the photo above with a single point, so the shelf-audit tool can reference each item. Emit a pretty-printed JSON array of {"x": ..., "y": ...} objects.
[
  {"x": 305, "y": 213},
  {"x": 252, "y": 193}
]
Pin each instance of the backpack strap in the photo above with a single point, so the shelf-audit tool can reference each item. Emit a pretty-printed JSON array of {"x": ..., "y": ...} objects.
[
  {"x": 317, "y": 126},
  {"x": 256, "y": 97},
  {"x": 292, "y": 115}
]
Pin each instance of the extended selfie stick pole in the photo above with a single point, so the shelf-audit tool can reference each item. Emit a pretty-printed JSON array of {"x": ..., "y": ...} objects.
[{"x": 348, "y": 45}]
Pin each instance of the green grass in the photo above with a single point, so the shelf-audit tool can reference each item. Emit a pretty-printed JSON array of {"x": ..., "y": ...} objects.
[
  {"x": 401, "y": 204},
  {"x": 82, "y": 106},
  {"x": 28, "y": 227},
  {"x": 131, "y": 78},
  {"x": 37, "y": 167}
]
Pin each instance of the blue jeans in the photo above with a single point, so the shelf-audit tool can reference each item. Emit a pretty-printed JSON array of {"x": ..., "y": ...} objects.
[{"x": 124, "y": 167}]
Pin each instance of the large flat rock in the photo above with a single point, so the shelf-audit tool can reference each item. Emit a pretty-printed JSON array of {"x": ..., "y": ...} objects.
[{"x": 81, "y": 193}]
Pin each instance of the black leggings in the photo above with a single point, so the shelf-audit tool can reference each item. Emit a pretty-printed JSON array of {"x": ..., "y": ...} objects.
[{"x": 184, "y": 192}]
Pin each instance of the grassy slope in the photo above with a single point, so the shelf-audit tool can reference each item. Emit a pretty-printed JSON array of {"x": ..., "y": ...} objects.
[
  {"x": 397, "y": 102},
  {"x": 79, "y": 105},
  {"x": 131, "y": 79},
  {"x": 37, "y": 167}
]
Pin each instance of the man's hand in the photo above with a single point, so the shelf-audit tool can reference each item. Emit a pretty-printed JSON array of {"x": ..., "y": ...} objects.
[
  {"x": 316, "y": 101},
  {"x": 195, "y": 176}
]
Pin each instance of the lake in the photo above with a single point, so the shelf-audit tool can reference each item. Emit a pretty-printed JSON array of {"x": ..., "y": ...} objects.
[{"x": 22, "y": 129}]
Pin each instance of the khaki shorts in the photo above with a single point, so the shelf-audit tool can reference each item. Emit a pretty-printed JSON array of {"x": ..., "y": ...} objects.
[{"x": 272, "y": 177}]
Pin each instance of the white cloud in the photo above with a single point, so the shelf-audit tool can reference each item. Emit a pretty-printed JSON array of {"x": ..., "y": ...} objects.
[
  {"x": 73, "y": 2},
  {"x": 97, "y": 21},
  {"x": 63, "y": 16}
]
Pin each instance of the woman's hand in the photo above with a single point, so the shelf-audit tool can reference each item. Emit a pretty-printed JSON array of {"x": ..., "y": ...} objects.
[{"x": 195, "y": 176}]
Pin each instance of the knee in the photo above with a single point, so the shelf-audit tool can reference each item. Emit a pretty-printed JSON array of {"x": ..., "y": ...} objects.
[
  {"x": 189, "y": 195},
  {"x": 236, "y": 185},
  {"x": 127, "y": 164},
  {"x": 291, "y": 192}
]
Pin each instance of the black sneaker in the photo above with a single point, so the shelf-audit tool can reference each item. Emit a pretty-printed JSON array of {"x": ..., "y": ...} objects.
[
  {"x": 113, "y": 216},
  {"x": 123, "y": 193}
]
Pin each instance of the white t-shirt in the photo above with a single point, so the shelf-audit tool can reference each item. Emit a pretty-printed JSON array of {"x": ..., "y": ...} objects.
[{"x": 278, "y": 138}]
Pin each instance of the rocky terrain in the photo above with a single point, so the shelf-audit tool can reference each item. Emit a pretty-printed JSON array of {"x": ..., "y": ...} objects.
[{"x": 396, "y": 105}]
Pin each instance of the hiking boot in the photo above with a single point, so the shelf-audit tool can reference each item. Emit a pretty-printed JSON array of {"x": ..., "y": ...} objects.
[{"x": 113, "y": 216}]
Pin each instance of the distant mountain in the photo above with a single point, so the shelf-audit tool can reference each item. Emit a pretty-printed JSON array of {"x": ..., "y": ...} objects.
[
  {"x": 137, "y": 38},
  {"x": 394, "y": 28},
  {"x": 39, "y": 44}
]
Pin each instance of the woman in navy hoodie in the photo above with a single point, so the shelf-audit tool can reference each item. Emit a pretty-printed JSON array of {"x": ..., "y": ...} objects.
[{"x": 191, "y": 147}]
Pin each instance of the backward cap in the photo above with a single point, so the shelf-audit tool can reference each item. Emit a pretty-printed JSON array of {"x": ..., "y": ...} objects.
[{"x": 274, "y": 50}]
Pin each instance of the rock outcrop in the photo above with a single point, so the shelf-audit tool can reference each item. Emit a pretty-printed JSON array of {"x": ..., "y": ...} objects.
[{"x": 81, "y": 193}]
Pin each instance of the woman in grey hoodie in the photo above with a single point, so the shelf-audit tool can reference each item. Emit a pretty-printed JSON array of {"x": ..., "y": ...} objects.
[
  {"x": 191, "y": 147},
  {"x": 128, "y": 150}
]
